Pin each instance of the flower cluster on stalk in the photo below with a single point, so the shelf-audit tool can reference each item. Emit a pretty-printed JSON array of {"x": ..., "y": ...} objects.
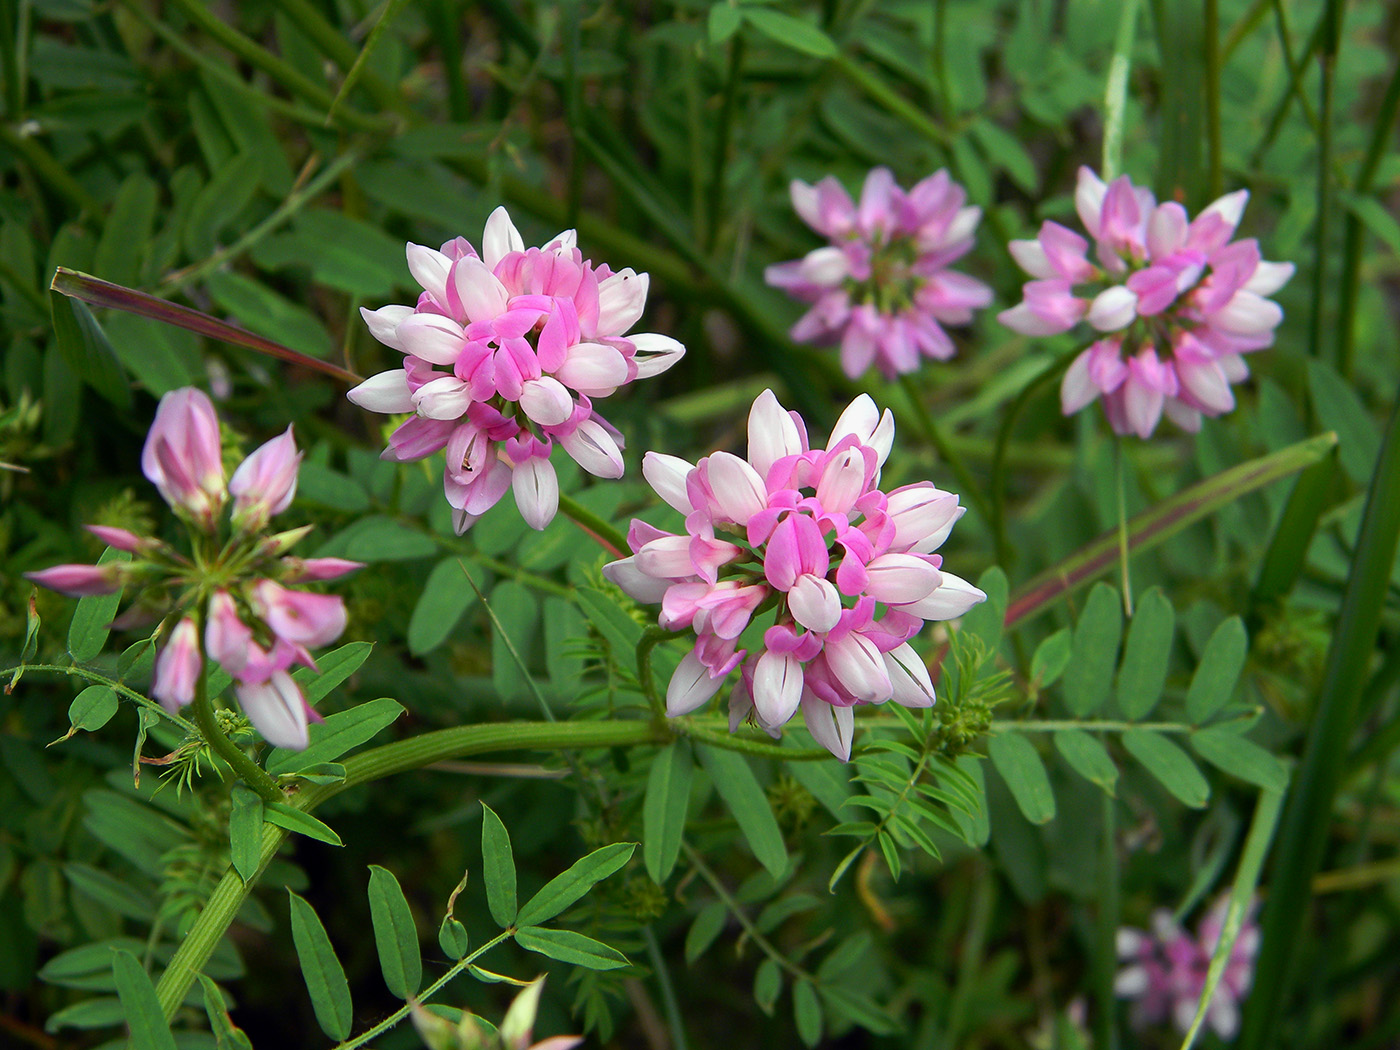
[
  {"x": 230, "y": 599},
  {"x": 504, "y": 352},
  {"x": 802, "y": 543},
  {"x": 1178, "y": 302},
  {"x": 882, "y": 289},
  {"x": 1165, "y": 970}
]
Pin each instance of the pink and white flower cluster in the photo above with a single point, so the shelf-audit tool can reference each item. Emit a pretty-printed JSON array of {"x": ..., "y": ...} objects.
[
  {"x": 503, "y": 353},
  {"x": 1166, "y": 968},
  {"x": 1178, "y": 301},
  {"x": 882, "y": 288},
  {"x": 253, "y": 624},
  {"x": 804, "y": 541}
]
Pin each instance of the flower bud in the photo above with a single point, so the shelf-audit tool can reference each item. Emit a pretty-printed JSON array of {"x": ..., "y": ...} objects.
[
  {"x": 265, "y": 482},
  {"x": 81, "y": 581},
  {"x": 177, "y": 667},
  {"x": 183, "y": 456}
]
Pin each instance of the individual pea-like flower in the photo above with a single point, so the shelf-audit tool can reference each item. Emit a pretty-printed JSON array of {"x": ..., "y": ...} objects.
[
  {"x": 1178, "y": 302},
  {"x": 514, "y": 1033},
  {"x": 252, "y": 623},
  {"x": 1165, "y": 970},
  {"x": 504, "y": 353},
  {"x": 798, "y": 549},
  {"x": 882, "y": 288}
]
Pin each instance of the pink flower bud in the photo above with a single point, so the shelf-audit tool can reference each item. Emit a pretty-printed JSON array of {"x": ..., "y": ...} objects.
[
  {"x": 80, "y": 581},
  {"x": 119, "y": 539},
  {"x": 178, "y": 667},
  {"x": 277, "y": 710},
  {"x": 183, "y": 455},
  {"x": 226, "y": 637},
  {"x": 317, "y": 570},
  {"x": 265, "y": 482}
]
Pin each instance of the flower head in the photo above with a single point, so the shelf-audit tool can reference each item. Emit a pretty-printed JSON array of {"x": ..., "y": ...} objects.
[
  {"x": 254, "y": 625},
  {"x": 1165, "y": 970},
  {"x": 798, "y": 549},
  {"x": 1178, "y": 303},
  {"x": 882, "y": 288},
  {"x": 504, "y": 353}
]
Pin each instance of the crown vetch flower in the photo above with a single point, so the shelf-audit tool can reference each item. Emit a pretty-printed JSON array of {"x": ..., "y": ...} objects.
[
  {"x": 1165, "y": 970},
  {"x": 1178, "y": 301},
  {"x": 504, "y": 353},
  {"x": 799, "y": 548},
  {"x": 255, "y": 626},
  {"x": 882, "y": 288}
]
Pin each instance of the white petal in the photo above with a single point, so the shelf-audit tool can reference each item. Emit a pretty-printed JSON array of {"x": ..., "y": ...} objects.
[
  {"x": 483, "y": 296},
  {"x": 1268, "y": 278},
  {"x": 1112, "y": 309},
  {"x": 667, "y": 474},
  {"x": 772, "y": 433},
  {"x": 830, "y": 726},
  {"x": 621, "y": 300},
  {"x": 825, "y": 266},
  {"x": 432, "y": 338},
  {"x": 898, "y": 579},
  {"x": 593, "y": 369},
  {"x": 655, "y": 353},
  {"x": 593, "y": 449},
  {"x": 964, "y": 224},
  {"x": 1031, "y": 257},
  {"x": 445, "y": 398},
  {"x": 386, "y": 392},
  {"x": 430, "y": 269},
  {"x": 546, "y": 400},
  {"x": 383, "y": 321},
  {"x": 1088, "y": 200},
  {"x": 909, "y": 675},
  {"x": 276, "y": 709},
  {"x": 814, "y": 603},
  {"x": 953, "y": 597},
  {"x": 777, "y": 687},
  {"x": 1077, "y": 389},
  {"x": 738, "y": 490},
  {"x": 499, "y": 238},
  {"x": 536, "y": 491},
  {"x": 1229, "y": 207},
  {"x": 690, "y": 686},
  {"x": 1248, "y": 314},
  {"x": 646, "y": 589}
]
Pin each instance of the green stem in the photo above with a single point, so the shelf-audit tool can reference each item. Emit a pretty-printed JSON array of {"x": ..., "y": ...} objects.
[
  {"x": 1327, "y": 63},
  {"x": 721, "y": 737},
  {"x": 891, "y": 100},
  {"x": 111, "y": 683},
  {"x": 1211, "y": 35},
  {"x": 1308, "y": 820},
  {"x": 50, "y": 170},
  {"x": 945, "y": 451},
  {"x": 1296, "y": 70},
  {"x": 1103, "y": 726},
  {"x": 345, "y": 55},
  {"x": 715, "y": 197},
  {"x": 432, "y": 990},
  {"x": 248, "y": 771},
  {"x": 675, "y": 1019},
  {"x": 1157, "y": 524},
  {"x": 651, "y": 637},
  {"x": 1116, "y": 93},
  {"x": 1106, "y": 931},
  {"x": 603, "y": 531},
  {"x": 1119, "y": 455}
]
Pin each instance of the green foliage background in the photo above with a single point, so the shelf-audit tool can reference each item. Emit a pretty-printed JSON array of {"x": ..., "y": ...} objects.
[{"x": 265, "y": 161}]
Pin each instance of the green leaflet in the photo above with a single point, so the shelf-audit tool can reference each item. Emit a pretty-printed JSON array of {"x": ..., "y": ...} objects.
[
  {"x": 325, "y": 978},
  {"x": 569, "y": 886},
  {"x": 664, "y": 808},
  {"x": 1169, "y": 764},
  {"x": 1093, "y": 652},
  {"x": 497, "y": 868},
  {"x": 570, "y": 947},
  {"x": 1145, "y": 655},
  {"x": 1020, "y": 766},
  {"x": 395, "y": 935},
  {"x": 736, "y": 784}
]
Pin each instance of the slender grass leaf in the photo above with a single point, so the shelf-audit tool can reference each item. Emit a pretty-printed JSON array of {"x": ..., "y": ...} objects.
[
  {"x": 709, "y": 924},
  {"x": 149, "y": 1029},
  {"x": 1093, "y": 652},
  {"x": 395, "y": 935},
  {"x": 569, "y": 947},
  {"x": 497, "y": 868},
  {"x": 790, "y": 31},
  {"x": 121, "y": 895},
  {"x": 1087, "y": 757},
  {"x": 268, "y": 314},
  {"x": 1051, "y": 658},
  {"x": 126, "y": 230},
  {"x": 736, "y": 784},
  {"x": 1219, "y": 669},
  {"x": 1145, "y": 654},
  {"x": 87, "y": 633},
  {"x": 1375, "y": 217},
  {"x": 807, "y": 1012},
  {"x": 302, "y": 823},
  {"x": 1228, "y": 751},
  {"x": 854, "y": 1006},
  {"x": 227, "y": 193},
  {"x": 664, "y": 808},
  {"x": 767, "y": 985},
  {"x": 336, "y": 735},
  {"x": 1169, "y": 764},
  {"x": 227, "y": 1035},
  {"x": 325, "y": 977},
  {"x": 581, "y": 876},
  {"x": 890, "y": 849},
  {"x": 976, "y": 830},
  {"x": 1020, "y": 766},
  {"x": 93, "y": 708},
  {"x": 86, "y": 350},
  {"x": 245, "y": 824},
  {"x": 1256, "y": 848},
  {"x": 445, "y": 598}
]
